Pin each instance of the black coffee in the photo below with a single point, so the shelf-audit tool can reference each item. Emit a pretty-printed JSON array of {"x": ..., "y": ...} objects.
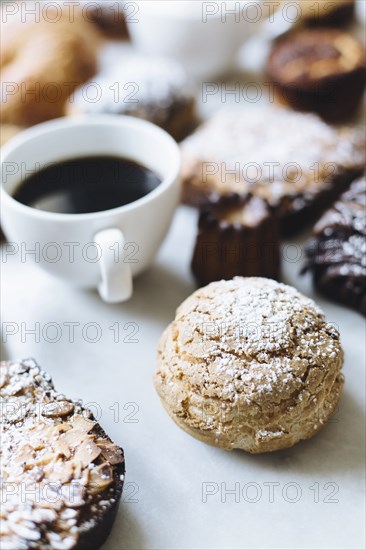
[{"x": 88, "y": 184}]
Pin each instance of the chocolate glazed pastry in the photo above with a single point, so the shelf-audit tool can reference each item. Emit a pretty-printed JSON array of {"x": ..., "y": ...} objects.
[
  {"x": 62, "y": 476},
  {"x": 238, "y": 235},
  {"x": 337, "y": 251},
  {"x": 319, "y": 70}
]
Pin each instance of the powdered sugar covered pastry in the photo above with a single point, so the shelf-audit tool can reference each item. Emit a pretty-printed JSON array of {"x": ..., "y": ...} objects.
[
  {"x": 251, "y": 364},
  {"x": 149, "y": 87},
  {"x": 294, "y": 161},
  {"x": 61, "y": 475}
]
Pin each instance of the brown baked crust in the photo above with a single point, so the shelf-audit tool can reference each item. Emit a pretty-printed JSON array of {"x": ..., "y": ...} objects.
[
  {"x": 337, "y": 13},
  {"x": 49, "y": 59},
  {"x": 182, "y": 120},
  {"x": 320, "y": 70},
  {"x": 336, "y": 252},
  {"x": 110, "y": 18},
  {"x": 325, "y": 161},
  {"x": 237, "y": 235},
  {"x": 65, "y": 473},
  {"x": 250, "y": 364}
]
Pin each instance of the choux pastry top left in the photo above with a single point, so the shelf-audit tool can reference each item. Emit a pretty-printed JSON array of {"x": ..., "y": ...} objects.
[{"x": 44, "y": 57}]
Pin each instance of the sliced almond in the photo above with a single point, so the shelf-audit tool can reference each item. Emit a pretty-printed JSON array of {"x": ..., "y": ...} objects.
[
  {"x": 44, "y": 458},
  {"x": 3, "y": 376},
  {"x": 74, "y": 437},
  {"x": 57, "y": 409},
  {"x": 83, "y": 424},
  {"x": 86, "y": 452},
  {"x": 61, "y": 471},
  {"x": 110, "y": 451},
  {"x": 42, "y": 435},
  {"x": 26, "y": 454},
  {"x": 100, "y": 478}
]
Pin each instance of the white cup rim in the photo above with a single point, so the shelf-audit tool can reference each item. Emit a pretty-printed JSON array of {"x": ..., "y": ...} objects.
[
  {"x": 124, "y": 121},
  {"x": 191, "y": 16}
]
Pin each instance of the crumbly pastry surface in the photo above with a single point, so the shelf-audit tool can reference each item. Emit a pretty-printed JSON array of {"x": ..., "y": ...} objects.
[
  {"x": 43, "y": 62},
  {"x": 149, "y": 87},
  {"x": 249, "y": 363},
  {"x": 287, "y": 158},
  {"x": 61, "y": 475},
  {"x": 337, "y": 250}
]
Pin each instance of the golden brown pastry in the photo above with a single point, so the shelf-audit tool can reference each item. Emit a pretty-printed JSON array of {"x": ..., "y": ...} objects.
[
  {"x": 249, "y": 364},
  {"x": 42, "y": 63}
]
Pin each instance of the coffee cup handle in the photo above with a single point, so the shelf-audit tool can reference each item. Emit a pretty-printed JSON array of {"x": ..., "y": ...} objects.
[{"x": 116, "y": 277}]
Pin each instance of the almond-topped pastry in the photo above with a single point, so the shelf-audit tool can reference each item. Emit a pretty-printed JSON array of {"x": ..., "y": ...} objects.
[
  {"x": 61, "y": 475},
  {"x": 295, "y": 162},
  {"x": 319, "y": 70},
  {"x": 337, "y": 250},
  {"x": 237, "y": 235},
  {"x": 249, "y": 364}
]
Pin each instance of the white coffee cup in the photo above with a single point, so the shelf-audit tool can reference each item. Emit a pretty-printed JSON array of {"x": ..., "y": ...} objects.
[
  {"x": 204, "y": 36},
  {"x": 104, "y": 249}
]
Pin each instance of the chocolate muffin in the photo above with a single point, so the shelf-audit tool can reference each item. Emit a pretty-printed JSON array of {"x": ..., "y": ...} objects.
[
  {"x": 319, "y": 70},
  {"x": 62, "y": 476},
  {"x": 337, "y": 251},
  {"x": 237, "y": 235},
  {"x": 150, "y": 87},
  {"x": 295, "y": 162}
]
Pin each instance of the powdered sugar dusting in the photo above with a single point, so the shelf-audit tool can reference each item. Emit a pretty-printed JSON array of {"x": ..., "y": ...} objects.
[
  {"x": 262, "y": 335},
  {"x": 52, "y": 464},
  {"x": 289, "y": 153},
  {"x": 144, "y": 86},
  {"x": 339, "y": 243}
]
